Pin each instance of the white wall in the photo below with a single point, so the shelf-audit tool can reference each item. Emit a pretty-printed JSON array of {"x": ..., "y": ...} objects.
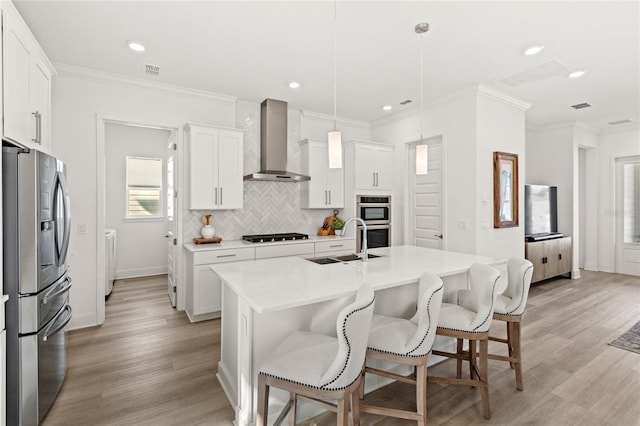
[
  {"x": 500, "y": 127},
  {"x": 472, "y": 126},
  {"x": 78, "y": 99},
  {"x": 613, "y": 144},
  {"x": 454, "y": 121},
  {"x": 141, "y": 246}
]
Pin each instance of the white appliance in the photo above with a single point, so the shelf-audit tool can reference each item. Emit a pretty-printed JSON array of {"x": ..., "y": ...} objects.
[{"x": 110, "y": 261}]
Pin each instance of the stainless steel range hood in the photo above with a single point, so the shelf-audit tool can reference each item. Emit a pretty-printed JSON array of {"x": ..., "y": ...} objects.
[{"x": 273, "y": 144}]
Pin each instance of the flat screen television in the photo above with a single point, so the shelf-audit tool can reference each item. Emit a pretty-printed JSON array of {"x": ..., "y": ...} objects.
[{"x": 540, "y": 212}]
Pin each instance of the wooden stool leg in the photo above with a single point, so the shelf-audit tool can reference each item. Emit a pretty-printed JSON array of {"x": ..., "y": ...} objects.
[
  {"x": 472, "y": 358},
  {"x": 263, "y": 401},
  {"x": 517, "y": 350},
  {"x": 361, "y": 386},
  {"x": 510, "y": 338},
  {"x": 343, "y": 410},
  {"x": 484, "y": 377},
  {"x": 421, "y": 393},
  {"x": 460, "y": 342},
  {"x": 355, "y": 407},
  {"x": 294, "y": 407}
]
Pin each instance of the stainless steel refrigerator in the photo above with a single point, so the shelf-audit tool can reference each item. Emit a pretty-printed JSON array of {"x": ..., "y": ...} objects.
[{"x": 36, "y": 230}]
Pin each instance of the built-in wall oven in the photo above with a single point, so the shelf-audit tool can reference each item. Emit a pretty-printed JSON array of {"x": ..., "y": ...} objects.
[{"x": 376, "y": 212}]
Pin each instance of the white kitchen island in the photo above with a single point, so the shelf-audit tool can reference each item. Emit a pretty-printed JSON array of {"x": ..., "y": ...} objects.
[{"x": 263, "y": 301}]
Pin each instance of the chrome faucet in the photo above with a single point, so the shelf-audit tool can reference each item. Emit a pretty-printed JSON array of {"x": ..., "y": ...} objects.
[{"x": 363, "y": 250}]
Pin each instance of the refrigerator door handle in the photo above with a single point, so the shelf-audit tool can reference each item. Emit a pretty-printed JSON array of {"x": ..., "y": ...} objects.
[
  {"x": 58, "y": 292},
  {"x": 49, "y": 332},
  {"x": 63, "y": 192}
]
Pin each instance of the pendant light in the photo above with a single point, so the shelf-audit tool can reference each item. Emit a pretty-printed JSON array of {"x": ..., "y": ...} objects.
[
  {"x": 422, "y": 153},
  {"x": 335, "y": 137}
]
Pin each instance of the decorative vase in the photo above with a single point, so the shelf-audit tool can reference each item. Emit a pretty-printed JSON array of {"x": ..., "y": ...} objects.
[
  {"x": 207, "y": 231},
  {"x": 338, "y": 232}
]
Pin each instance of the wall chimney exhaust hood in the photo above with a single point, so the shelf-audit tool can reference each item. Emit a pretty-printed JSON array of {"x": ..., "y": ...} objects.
[{"x": 273, "y": 144}]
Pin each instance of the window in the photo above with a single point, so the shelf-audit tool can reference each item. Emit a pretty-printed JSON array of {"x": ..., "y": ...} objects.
[{"x": 144, "y": 187}]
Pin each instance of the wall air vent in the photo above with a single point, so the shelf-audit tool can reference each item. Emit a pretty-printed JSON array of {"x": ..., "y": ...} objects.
[
  {"x": 615, "y": 123},
  {"x": 151, "y": 69},
  {"x": 580, "y": 106},
  {"x": 536, "y": 73}
]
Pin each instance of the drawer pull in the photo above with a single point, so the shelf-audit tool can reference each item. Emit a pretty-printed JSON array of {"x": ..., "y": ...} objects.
[
  {"x": 337, "y": 245},
  {"x": 226, "y": 255}
]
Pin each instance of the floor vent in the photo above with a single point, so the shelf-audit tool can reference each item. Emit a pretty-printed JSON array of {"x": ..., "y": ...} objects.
[
  {"x": 151, "y": 69},
  {"x": 533, "y": 74},
  {"x": 580, "y": 106},
  {"x": 615, "y": 123},
  {"x": 408, "y": 101}
]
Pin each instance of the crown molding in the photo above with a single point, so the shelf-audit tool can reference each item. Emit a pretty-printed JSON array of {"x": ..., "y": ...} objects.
[
  {"x": 489, "y": 92},
  {"x": 324, "y": 117},
  {"x": 87, "y": 74},
  {"x": 621, "y": 128}
]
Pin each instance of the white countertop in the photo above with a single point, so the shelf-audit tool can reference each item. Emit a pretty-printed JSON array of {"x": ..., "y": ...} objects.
[
  {"x": 282, "y": 283},
  {"x": 233, "y": 244}
]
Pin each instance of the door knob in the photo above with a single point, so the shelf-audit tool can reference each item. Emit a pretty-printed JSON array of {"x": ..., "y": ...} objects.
[{"x": 438, "y": 235}]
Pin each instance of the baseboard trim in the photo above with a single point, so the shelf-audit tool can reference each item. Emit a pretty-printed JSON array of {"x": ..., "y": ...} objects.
[
  {"x": 82, "y": 321},
  {"x": 140, "y": 272}
]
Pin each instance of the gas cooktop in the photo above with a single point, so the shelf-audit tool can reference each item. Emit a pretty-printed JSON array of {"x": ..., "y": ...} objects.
[{"x": 267, "y": 238}]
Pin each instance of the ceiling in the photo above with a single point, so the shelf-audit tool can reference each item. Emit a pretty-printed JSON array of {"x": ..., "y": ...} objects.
[{"x": 252, "y": 50}]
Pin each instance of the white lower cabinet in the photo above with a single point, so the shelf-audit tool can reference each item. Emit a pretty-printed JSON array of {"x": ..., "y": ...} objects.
[
  {"x": 335, "y": 247},
  {"x": 204, "y": 288},
  {"x": 204, "y": 300},
  {"x": 285, "y": 250}
]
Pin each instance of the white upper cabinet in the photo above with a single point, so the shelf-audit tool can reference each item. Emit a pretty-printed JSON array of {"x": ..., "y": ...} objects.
[
  {"x": 326, "y": 187},
  {"x": 26, "y": 82},
  {"x": 371, "y": 163},
  {"x": 215, "y": 167}
]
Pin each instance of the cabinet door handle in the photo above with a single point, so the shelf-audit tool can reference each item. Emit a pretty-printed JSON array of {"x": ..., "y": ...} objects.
[
  {"x": 325, "y": 197},
  {"x": 377, "y": 179},
  {"x": 560, "y": 256},
  {"x": 38, "y": 118},
  {"x": 215, "y": 203},
  {"x": 220, "y": 195},
  {"x": 329, "y": 191},
  {"x": 374, "y": 178}
]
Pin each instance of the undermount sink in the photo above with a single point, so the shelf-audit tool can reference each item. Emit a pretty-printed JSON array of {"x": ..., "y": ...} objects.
[
  {"x": 323, "y": 260},
  {"x": 345, "y": 258}
]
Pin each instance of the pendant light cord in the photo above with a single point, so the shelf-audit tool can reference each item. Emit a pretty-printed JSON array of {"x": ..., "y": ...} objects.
[
  {"x": 421, "y": 88},
  {"x": 335, "y": 66}
]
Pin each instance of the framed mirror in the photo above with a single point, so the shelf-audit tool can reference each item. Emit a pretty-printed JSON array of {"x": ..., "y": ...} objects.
[{"x": 505, "y": 190}]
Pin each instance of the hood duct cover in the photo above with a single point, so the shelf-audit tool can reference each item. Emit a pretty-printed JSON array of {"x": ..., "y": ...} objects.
[{"x": 273, "y": 144}]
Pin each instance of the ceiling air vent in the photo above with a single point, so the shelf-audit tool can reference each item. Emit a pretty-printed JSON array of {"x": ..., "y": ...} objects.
[
  {"x": 615, "y": 123},
  {"x": 536, "y": 73},
  {"x": 580, "y": 106},
  {"x": 151, "y": 69},
  {"x": 408, "y": 101}
]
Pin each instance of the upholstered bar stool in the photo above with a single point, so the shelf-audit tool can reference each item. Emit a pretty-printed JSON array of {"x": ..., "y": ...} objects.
[
  {"x": 321, "y": 368},
  {"x": 510, "y": 308},
  {"x": 470, "y": 319},
  {"x": 406, "y": 342}
]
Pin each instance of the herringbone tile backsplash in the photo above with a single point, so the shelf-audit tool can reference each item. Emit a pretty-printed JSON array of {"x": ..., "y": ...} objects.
[{"x": 269, "y": 207}]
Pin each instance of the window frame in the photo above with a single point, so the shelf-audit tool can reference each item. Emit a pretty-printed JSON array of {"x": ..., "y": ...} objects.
[{"x": 161, "y": 192}]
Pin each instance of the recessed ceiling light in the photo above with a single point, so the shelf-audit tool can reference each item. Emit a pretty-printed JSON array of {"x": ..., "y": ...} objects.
[
  {"x": 534, "y": 49},
  {"x": 577, "y": 73},
  {"x": 294, "y": 84},
  {"x": 136, "y": 46},
  {"x": 387, "y": 107}
]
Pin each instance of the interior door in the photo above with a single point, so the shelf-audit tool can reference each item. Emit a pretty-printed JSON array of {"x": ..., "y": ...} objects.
[
  {"x": 425, "y": 209},
  {"x": 628, "y": 215},
  {"x": 172, "y": 231}
]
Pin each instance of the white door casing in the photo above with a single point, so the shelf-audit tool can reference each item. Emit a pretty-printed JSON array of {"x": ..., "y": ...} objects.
[
  {"x": 172, "y": 232},
  {"x": 627, "y": 215},
  {"x": 425, "y": 198}
]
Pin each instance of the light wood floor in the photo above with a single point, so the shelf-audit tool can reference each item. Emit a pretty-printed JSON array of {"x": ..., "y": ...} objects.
[{"x": 147, "y": 365}]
